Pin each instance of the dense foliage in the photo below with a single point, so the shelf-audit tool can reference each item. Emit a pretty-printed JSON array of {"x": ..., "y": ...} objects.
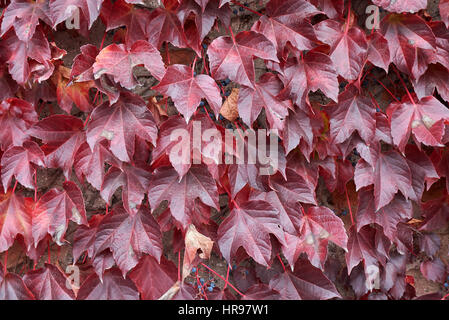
[{"x": 361, "y": 187}]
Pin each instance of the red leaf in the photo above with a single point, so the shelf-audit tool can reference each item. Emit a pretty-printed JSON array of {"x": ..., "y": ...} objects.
[
  {"x": 421, "y": 118},
  {"x": 390, "y": 175},
  {"x": 295, "y": 189},
  {"x": 82, "y": 68},
  {"x": 119, "y": 61},
  {"x": 297, "y": 129},
  {"x": 249, "y": 226},
  {"x": 48, "y": 283},
  {"x": 285, "y": 21},
  {"x": 181, "y": 157},
  {"x": 21, "y": 162},
  {"x": 378, "y": 51},
  {"x": 90, "y": 164},
  {"x": 187, "y": 90},
  {"x": 18, "y": 55},
  {"x": 113, "y": 287},
  {"x": 332, "y": 8},
  {"x": 61, "y": 10},
  {"x": 319, "y": 225},
  {"x": 398, "y": 210},
  {"x": 133, "y": 18},
  {"x": 353, "y": 112},
  {"x": 434, "y": 270},
  {"x": 16, "y": 117},
  {"x": 406, "y": 36},
  {"x": 264, "y": 95},
  {"x": 24, "y": 16},
  {"x": 205, "y": 15},
  {"x": 305, "y": 283},
  {"x": 15, "y": 219},
  {"x": 13, "y": 288},
  {"x": 54, "y": 210},
  {"x": 129, "y": 237},
  {"x": 349, "y": 47},
  {"x": 63, "y": 136},
  {"x": 163, "y": 276},
  {"x": 314, "y": 71},
  {"x": 434, "y": 78},
  {"x": 181, "y": 194},
  {"x": 232, "y": 58},
  {"x": 164, "y": 25},
  {"x": 361, "y": 247},
  {"x": 121, "y": 123},
  {"x": 399, "y": 6}
]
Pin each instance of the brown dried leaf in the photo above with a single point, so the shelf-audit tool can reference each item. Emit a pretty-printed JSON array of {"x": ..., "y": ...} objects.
[{"x": 229, "y": 110}]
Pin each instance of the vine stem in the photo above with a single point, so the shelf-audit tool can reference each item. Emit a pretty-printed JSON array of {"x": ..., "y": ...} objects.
[
  {"x": 226, "y": 281},
  {"x": 444, "y": 298},
  {"x": 35, "y": 185},
  {"x": 200, "y": 285},
  {"x": 227, "y": 278},
  {"x": 349, "y": 205},
  {"x": 15, "y": 186},
  {"x": 391, "y": 94},
  {"x": 282, "y": 263},
  {"x": 179, "y": 266},
  {"x": 405, "y": 87},
  {"x": 246, "y": 8},
  {"x": 5, "y": 269}
]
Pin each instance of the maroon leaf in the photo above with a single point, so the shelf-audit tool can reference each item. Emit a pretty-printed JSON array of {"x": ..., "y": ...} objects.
[
  {"x": 319, "y": 225},
  {"x": 48, "y": 283},
  {"x": 16, "y": 117},
  {"x": 434, "y": 270},
  {"x": 15, "y": 219},
  {"x": 21, "y": 163},
  {"x": 305, "y": 283},
  {"x": 349, "y": 47},
  {"x": 119, "y": 61},
  {"x": 13, "y": 288},
  {"x": 113, "y": 287},
  {"x": 24, "y": 16},
  {"x": 164, "y": 26},
  {"x": 295, "y": 189},
  {"x": 406, "y": 35},
  {"x": 390, "y": 175},
  {"x": 402, "y": 5},
  {"x": 182, "y": 153},
  {"x": 264, "y": 95},
  {"x": 353, "y": 112},
  {"x": 232, "y": 58},
  {"x": 181, "y": 194},
  {"x": 422, "y": 118},
  {"x": 249, "y": 226},
  {"x": 163, "y": 276},
  {"x": 314, "y": 71},
  {"x": 398, "y": 210},
  {"x": 129, "y": 237},
  {"x": 187, "y": 90},
  {"x": 61, "y": 10},
  {"x": 63, "y": 136},
  {"x": 54, "y": 210},
  {"x": 121, "y": 123},
  {"x": 285, "y": 21}
]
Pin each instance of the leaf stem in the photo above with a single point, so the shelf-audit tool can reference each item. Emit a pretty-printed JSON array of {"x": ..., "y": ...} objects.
[
  {"x": 246, "y": 8},
  {"x": 349, "y": 205},
  {"x": 230, "y": 284},
  {"x": 282, "y": 263},
  {"x": 405, "y": 86}
]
